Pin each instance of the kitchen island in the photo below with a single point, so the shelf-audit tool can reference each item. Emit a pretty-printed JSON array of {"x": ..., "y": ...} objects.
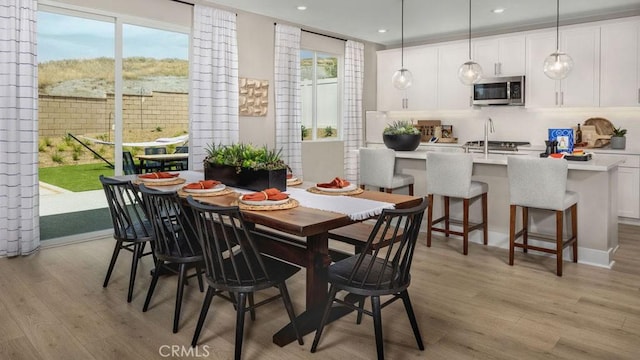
[{"x": 594, "y": 180}]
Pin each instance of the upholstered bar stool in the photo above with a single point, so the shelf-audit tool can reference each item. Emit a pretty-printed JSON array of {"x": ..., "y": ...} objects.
[
  {"x": 377, "y": 169},
  {"x": 449, "y": 175},
  {"x": 541, "y": 184}
]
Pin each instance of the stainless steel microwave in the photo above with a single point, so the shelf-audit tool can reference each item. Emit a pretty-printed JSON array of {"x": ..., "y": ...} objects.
[{"x": 506, "y": 90}]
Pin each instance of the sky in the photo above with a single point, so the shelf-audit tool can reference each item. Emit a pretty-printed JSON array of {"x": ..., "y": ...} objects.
[{"x": 68, "y": 37}]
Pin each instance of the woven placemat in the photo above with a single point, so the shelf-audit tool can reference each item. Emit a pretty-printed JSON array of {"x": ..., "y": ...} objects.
[
  {"x": 225, "y": 191},
  {"x": 292, "y": 203},
  {"x": 316, "y": 190},
  {"x": 177, "y": 181},
  {"x": 294, "y": 183}
]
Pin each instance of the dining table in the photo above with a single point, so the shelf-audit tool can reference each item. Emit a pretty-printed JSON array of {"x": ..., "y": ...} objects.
[
  {"x": 165, "y": 160},
  {"x": 298, "y": 235}
]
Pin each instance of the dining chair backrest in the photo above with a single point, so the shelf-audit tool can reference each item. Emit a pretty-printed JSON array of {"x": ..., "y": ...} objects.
[
  {"x": 385, "y": 268},
  {"x": 130, "y": 222},
  {"x": 232, "y": 259},
  {"x": 449, "y": 174},
  {"x": 377, "y": 167},
  {"x": 128, "y": 164},
  {"x": 182, "y": 150},
  {"x": 151, "y": 164},
  {"x": 537, "y": 182},
  {"x": 175, "y": 237}
]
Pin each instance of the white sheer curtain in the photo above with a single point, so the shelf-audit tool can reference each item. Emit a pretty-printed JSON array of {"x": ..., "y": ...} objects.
[
  {"x": 288, "y": 99},
  {"x": 214, "y": 82},
  {"x": 352, "y": 107},
  {"x": 19, "y": 221}
]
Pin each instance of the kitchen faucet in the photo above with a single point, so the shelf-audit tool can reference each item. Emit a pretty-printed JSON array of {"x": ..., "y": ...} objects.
[{"x": 488, "y": 126}]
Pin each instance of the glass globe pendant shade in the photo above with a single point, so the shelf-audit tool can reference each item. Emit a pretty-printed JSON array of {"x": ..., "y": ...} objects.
[
  {"x": 470, "y": 72},
  {"x": 558, "y": 65},
  {"x": 402, "y": 79}
]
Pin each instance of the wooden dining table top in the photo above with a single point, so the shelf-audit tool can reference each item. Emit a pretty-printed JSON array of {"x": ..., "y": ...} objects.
[{"x": 299, "y": 221}]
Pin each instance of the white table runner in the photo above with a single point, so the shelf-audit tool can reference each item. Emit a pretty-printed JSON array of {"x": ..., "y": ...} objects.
[{"x": 354, "y": 208}]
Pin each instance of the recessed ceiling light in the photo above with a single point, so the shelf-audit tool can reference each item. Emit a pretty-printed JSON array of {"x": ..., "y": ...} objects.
[
  {"x": 302, "y": 7},
  {"x": 382, "y": 31},
  {"x": 498, "y": 10}
]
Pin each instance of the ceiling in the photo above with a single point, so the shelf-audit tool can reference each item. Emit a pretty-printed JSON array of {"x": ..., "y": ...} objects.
[{"x": 429, "y": 20}]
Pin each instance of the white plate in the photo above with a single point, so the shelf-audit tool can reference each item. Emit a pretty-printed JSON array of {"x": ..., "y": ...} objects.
[
  {"x": 351, "y": 187},
  {"x": 216, "y": 188},
  {"x": 158, "y": 180},
  {"x": 263, "y": 202},
  {"x": 293, "y": 179}
]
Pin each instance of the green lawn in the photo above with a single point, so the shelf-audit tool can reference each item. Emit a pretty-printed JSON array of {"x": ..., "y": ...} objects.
[{"x": 76, "y": 177}]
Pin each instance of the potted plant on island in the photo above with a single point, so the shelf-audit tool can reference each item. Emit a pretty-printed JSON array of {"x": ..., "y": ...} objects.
[
  {"x": 401, "y": 135},
  {"x": 246, "y": 166},
  {"x": 618, "y": 140}
]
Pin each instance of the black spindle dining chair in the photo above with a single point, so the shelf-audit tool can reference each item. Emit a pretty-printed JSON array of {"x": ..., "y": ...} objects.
[
  {"x": 233, "y": 264},
  {"x": 378, "y": 271},
  {"x": 176, "y": 243},
  {"x": 131, "y": 228}
]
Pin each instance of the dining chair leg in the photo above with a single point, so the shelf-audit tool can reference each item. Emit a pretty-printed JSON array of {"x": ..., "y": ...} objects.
[
  {"x": 512, "y": 232},
  {"x": 181, "y": 282},
  {"x": 325, "y": 317},
  {"x": 429, "y": 219},
  {"x": 112, "y": 263},
  {"x": 360, "y": 308},
  {"x": 203, "y": 315},
  {"x": 559, "y": 226},
  {"x": 242, "y": 300},
  {"x": 152, "y": 286},
  {"x": 377, "y": 325},
  {"x": 288, "y": 305},
  {"x": 199, "y": 275},
  {"x": 465, "y": 226},
  {"x": 412, "y": 318},
  {"x": 134, "y": 267}
]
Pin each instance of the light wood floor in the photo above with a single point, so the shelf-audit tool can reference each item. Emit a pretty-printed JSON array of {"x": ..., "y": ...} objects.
[{"x": 53, "y": 306}]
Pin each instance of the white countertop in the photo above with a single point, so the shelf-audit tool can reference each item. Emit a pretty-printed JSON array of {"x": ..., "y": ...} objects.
[{"x": 599, "y": 162}]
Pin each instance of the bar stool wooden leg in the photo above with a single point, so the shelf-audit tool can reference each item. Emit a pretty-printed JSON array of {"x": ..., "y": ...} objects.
[
  {"x": 411, "y": 190},
  {"x": 559, "y": 226},
  {"x": 525, "y": 229},
  {"x": 429, "y": 219},
  {"x": 485, "y": 222},
  {"x": 446, "y": 216},
  {"x": 574, "y": 231},
  {"x": 465, "y": 226},
  {"x": 512, "y": 232}
]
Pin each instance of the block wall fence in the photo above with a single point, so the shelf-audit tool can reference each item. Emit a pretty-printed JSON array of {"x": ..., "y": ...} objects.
[{"x": 59, "y": 115}]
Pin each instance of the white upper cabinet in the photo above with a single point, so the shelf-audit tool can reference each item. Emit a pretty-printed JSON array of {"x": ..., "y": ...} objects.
[
  {"x": 452, "y": 94},
  {"x": 502, "y": 56},
  {"x": 620, "y": 68},
  {"x": 422, "y": 62},
  {"x": 581, "y": 87}
]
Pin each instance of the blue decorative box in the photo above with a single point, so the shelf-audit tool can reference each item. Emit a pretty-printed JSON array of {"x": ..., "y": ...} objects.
[{"x": 564, "y": 137}]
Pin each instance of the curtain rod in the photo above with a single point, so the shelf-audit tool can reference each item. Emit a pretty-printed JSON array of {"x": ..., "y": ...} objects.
[{"x": 317, "y": 33}]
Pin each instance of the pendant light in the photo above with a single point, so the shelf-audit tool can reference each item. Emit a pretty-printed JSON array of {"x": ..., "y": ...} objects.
[
  {"x": 402, "y": 78},
  {"x": 469, "y": 72},
  {"x": 558, "y": 65}
]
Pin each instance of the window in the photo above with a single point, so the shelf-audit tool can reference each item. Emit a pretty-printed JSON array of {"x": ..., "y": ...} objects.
[{"x": 321, "y": 94}]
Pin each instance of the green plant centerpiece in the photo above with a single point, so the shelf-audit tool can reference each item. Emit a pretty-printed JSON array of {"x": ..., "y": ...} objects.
[
  {"x": 401, "y": 135},
  {"x": 618, "y": 139},
  {"x": 246, "y": 166}
]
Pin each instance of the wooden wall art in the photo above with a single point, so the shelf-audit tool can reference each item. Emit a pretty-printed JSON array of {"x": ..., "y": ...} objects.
[{"x": 254, "y": 100}]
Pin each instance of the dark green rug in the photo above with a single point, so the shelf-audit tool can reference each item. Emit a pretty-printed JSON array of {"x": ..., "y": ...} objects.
[{"x": 59, "y": 225}]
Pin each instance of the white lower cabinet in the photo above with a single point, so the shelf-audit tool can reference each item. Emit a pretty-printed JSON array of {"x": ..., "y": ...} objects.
[{"x": 629, "y": 187}]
